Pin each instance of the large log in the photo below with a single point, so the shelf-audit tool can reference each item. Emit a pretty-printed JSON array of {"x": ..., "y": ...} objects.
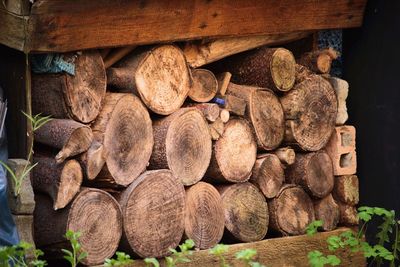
[
  {"x": 70, "y": 136},
  {"x": 204, "y": 87},
  {"x": 291, "y": 211},
  {"x": 234, "y": 153},
  {"x": 78, "y": 96},
  {"x": 182, "y": 144},
  {"x": 124, "y": 128},
  {"x": 310, "y": 113},
  {"x": 319, "y": 61},
  {"x": 264, "y": 111},
  {"x": 204, "y": 215},
  {"x": 246, "y": 212},
  {"x": 327, "y": 210},
  {"x": 314, "y": 172},
  {"x": 94, "y": 213},
  {"x": 153, "y": 210},
  {"x": 158, "y": 75}
]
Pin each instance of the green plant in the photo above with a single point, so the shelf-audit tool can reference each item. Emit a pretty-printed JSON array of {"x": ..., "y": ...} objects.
[
  {"x": 247, "y": 256},
  {"x": 77, "y": 254},
  {"x": 317, "y": 259},
  {"x": 122, "y": 259},
  {"x": 180, "y": 256},
  {"x": 313, "y": 227},
  {"x": 219, "y": 250},
  {"x": 151, "y": 262},
  {"x": 16, "y": 256}
]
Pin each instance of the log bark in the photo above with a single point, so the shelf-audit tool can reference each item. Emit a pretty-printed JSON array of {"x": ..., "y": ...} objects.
[
  {"x": 70, "y": 136},
  {"x": 182, "y": 144},
  {"x": 310, "y": 113},
  {"x": 302, "y": 73},
  {"x": 204, "y": 215},
  {"x": 286, "y": 155},
  {"x": 346, "y": 189},
  {"x": 153, "y": 203},
  {"x": 210, "y": 111},
  {"x": 158, "y": 75},
  {"x": 60, "y": 181},
  {"x": 268, "y": 175},
  {"x": 204, "y": 86},
  {"x": 245, "y": 211},
  {"x": 223, "y": 81},
  {"x": 327, "y": 210},
  {"x": 234, "y": 153},
  {"x": 291, "y": 211},
  {"x": 314, "y": 172},
  {"x": 124, "y": 128},
  {"x": 93, "y": 212},
  {"x": 235, "y": 105},
  {"x": 348, "y": 215},
  {"x": 319, "y": 61},
  {"x": 78, "y": 96},
  {"x": 265, "y": 112}
]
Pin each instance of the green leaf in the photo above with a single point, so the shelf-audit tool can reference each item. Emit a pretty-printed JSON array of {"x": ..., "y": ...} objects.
[
  {"x": 219, "y": 249},
  {"x": 152, "y": 261},
  {"x": 334, "y": 242},
  {"x": 246, "y": 254},
  {"x": 333, "y": 260},
  {"x": 312, "y": 228}
]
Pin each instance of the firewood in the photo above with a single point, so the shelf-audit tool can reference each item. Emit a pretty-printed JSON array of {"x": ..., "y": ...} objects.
[
  {"x": 217, "y": 129},
  {"x": 93, "y": 212},
  {"x": 310, "y": 113},
  {"x": 268, "y": 175},
  {"x": 204, "y": 86},
  {"x": 302, "y": 73},
  {"x": 60, "y": 181},
  {"x": 93, "y": 160},
  {"x": 286, "y": 155},
  {"x": 182, "y": 144},
  {"x": 210, "y": 111},
  {"x": 245, "y": 211},
  {"x": 125, "y": 130},
  {"x": 264, "y": 111},
  {"x": 327, "y": 210},
  {"x": 291, "y": 211},
  {"x": 153, "y": 204},
  {"x": 70, "y": 136},
  {"x": 314, "y": 172},
  {"x": 117, "y": 54},
  {"x": 235, "y": 105},
  {"x": 223, "y": 81},
  {"x": 234, "y": 153},
  {"x": 348, "y": 215},
  {"x": 158, "y": 75},
  {"x": 204, "y": 215},
  {"x": 66, "y": 96},
  {"x": 346, "y": 189},
  {"x": 224, "y": 115},
  {"x": 319, "y": 61},
  {"x": 341, "y": 88}
]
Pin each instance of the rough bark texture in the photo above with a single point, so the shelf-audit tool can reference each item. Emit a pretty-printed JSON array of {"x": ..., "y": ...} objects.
[
  {"x": 210, "y": 110},
  {"x": 204, "y": 215},
  {"x": 319, "y": 61},
  {"x": 346, "y": 189},
  {"x": 286, "y": 155},
  {"x": 246, "y": 212},
  {"x": 158, "y": 75},
  {"x": 291, "y": 211},
  {"x": 153, "y": 203},
  {"x": 327, "y": 210},
  {"x": 348, "y": 215},
  {"x": 234, "y": 153},
  {"x": 204, "y": 86},
  {"x": 78, "y": 96},
  {"x": 182, "y": 144}
]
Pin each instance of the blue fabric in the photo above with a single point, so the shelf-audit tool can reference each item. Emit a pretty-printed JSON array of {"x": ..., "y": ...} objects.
[{"x": 51, "y": 63}]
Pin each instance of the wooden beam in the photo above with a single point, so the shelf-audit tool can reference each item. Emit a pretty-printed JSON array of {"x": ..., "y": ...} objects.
[
  {"x": 17, "y": 7},
  {"x": 12, "y": 29}
]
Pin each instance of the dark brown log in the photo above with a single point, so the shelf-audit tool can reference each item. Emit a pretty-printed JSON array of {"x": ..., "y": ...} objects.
[
  {"x": 204, "y": 215},
  {"x": 204, "y": 86},
  {"x": 235, "y": 105},
  {"x": 217, "y": 129},
  {"x": 223, "y": 81},
  {"x": 60, "y": 181},
  {"x": 93, "y": 160},
  {"x": 319, "y": 61},
  {"x": 346, "y": 189},
  {"x": 124, "y": 128},
  {"x": 310, "y": 113},
  {"x": 291, "y": 211},
  {"x": 314, "y": 172},
  {"x": 268, "y": 175},
  {"x": 348, "y": 215},
  {"x": 78, "y": 96},
  {"x": 224, "y": 115},
  {"x": 182, "y": 144},
  {"x": 327, "y": 210},
  {"x": 158, "y": 75},
  {"x": 265, "y": 112},
  {"x": 246, "y": 212},
  {"x": 286, "y": 155},
  {"x": 93, "y": 212},
  {"x": 210, "y": 110},
  {"x": 234, "y": 153},
  {"x": 70, "y": 136},
  {"x": 153, "y": 210}
]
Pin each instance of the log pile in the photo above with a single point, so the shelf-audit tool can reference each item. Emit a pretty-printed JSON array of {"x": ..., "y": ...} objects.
[{"x": 241, "y": 148}]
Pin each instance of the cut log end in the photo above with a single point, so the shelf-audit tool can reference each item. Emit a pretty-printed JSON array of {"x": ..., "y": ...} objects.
[
  {"x": 78, "y": 142},
  {"x": 204, "y": 86},
  {"x": 210, "y": 111},
  {"x": 70, "y": 183},
  {"x": 286, "y": 155},
  {"x": 346, "y": 189},
  {"x": 283, "y": 69},
  {"x": 327, "y": 210},
  {"x": 224, "y": 115},
  {"x": 93, "y": 160}
]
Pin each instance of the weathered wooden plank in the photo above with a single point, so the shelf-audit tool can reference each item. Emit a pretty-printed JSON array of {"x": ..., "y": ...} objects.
[
  {"x": 12, "y": 29},
  {"x": 63, "y": 25},
  {"x": 17, "y": 7}
]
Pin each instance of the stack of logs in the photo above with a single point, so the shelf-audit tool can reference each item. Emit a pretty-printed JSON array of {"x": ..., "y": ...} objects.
[{"x": 153, "y": 149}]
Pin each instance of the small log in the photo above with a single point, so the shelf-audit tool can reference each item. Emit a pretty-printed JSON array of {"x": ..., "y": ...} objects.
[
  {"x": 210, "y": 111},
  {"x": 153, "y": 203},
  {"x": 314, "y": 172},
  {"x": 204, "y": 86},
  {"x": 217, "y": 129},
  {"x": 348, "y": 215},
  {"x": 319, "y": 61},
  {"x": 70, "y": 136},
  {"x": 158, "y": 75},
  {"x": 246, "y": 212},
  {"x": 204, "y": 215},
  {"x": 60, "y": 181},
  {"x": 346, "y": 189},
  {"x": 117, "y": 54},
  {"x": 125, "y": 131},
  {"x": 327, "y": 210},
  {"x": 234, "y": 153},
  {"x": 310, "y": 113},
  {"x": 223, "y": 81},
  {"x": 224, "y": 115},
  {"x": 78, "y": 96},
  {"x": 264, "y": 111},
  {"x": 235, "y": 105},
  {"x": 93, "y": 212},
  {"x": 291, "y": 211},
  {"x": 268, "y": 175},
  {"x": 286, "y": 155},
  {"x": 182, "y": 144},
  {"x": 341, "y": 88},
  {"x": 93, "y": 160}
]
